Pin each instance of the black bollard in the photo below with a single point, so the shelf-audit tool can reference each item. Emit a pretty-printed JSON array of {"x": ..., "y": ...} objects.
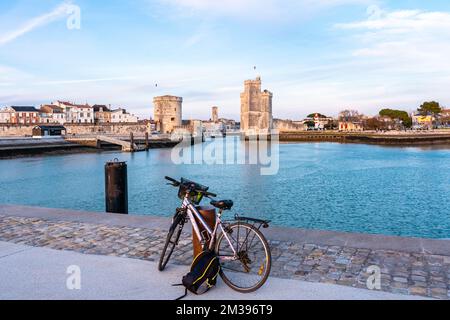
[
  {"x": 147, "y": 146},
  {"x": 116, "y": 187},
  {"x": 132, "y": 141}
]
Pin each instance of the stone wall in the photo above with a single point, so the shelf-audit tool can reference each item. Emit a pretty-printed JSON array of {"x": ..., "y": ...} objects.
[
  {"x": 15, "y": 130},
  {"x": 287, "y": 125},
  {"x": 109, "y": 128}
]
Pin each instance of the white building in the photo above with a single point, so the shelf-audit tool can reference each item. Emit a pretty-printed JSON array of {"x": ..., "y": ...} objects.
[
  {"x": 52, "y": 114},
  {"x": 5, "y": 115},
  {"x": 76, "y": 113},
  {"x": 229, "y": 124},
  {"x": 320, "y": 122},
  {"x": 211, "y": 128},
  {"x": 122, "y": 116}
]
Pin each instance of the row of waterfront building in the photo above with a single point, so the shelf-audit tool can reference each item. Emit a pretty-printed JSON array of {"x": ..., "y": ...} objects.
[
  {"x": 61, "y": 112},
  {"x": 255, "y": 116},
  {"x": 167, "y": 117}
]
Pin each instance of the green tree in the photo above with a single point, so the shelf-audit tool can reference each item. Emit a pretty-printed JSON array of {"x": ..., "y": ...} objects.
[
  {"x": 432, "y": 107},
  {"x": 397, "y": 114},
  {"x": 312, "y": 115},
  {"x": 310, "y": 124}
]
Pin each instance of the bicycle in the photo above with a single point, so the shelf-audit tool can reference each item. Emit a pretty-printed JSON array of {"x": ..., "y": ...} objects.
[{"x": 242, "y": 249}]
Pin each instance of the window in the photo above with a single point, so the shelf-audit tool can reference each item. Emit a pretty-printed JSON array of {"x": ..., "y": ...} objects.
[{"x": 173, "y": 119}]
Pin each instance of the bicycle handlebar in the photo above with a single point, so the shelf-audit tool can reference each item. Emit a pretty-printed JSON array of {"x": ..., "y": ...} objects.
[
  {"x": 177, "y": 183},
  {"x": 208, "y": 194}
]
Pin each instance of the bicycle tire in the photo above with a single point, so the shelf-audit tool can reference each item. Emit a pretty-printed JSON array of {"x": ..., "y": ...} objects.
[
  {"x": 171, "y": 243},
  {"x": 268, "y": 257}
]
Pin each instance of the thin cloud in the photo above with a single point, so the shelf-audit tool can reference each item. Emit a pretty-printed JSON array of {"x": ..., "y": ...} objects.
[
  {"x": 37, "y": 22},
  {"x": 257, "y": 9},
  {"x": 404, "y": 36},
  {"x": 56, "y": 82},
  {"x": 403, "y": 21}
]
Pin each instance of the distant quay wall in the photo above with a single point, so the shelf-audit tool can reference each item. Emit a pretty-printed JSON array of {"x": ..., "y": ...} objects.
[
  {"x": 398, "y": 138},
  {"x": 22, "y": 130},
  {"x": 18, "y": 147}
]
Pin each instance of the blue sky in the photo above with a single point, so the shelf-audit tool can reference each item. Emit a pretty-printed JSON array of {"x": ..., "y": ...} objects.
[{"x": 314, "y": 55}]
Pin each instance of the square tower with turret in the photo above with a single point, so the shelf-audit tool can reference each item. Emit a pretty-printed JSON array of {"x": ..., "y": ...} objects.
[
  {"x": 215, "y": 114},
  {"x": 256, "y": 108}
]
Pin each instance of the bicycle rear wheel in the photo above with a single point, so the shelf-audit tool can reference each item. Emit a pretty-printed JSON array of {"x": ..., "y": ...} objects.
[
  {"x": 171, "y": 241},
  {"x": 249, "y": 269}
]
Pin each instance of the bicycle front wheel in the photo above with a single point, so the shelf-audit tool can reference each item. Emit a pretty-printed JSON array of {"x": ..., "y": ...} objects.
[
  {"x": 171, "y": 241},
  {"x": 244, "y": 256}
]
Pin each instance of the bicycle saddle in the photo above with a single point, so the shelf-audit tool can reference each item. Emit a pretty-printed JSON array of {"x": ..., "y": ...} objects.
[{"x": 222, "y": 204}]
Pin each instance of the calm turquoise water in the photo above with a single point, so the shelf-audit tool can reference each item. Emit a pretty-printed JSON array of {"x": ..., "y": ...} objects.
[{"x": 356, "y": 188}]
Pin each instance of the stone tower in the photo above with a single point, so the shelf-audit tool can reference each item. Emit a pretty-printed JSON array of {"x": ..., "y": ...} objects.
[
  {"x": 256, "y": 108},
  {"x": 168, "y": 113},
  {"x": 215, "y": 114}
]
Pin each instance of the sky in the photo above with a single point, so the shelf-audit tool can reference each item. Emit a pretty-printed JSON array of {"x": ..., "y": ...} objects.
[{"x": 314, "y": 55}]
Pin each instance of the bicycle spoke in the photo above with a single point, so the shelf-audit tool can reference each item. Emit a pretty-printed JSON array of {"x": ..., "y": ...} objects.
[
  {"x": 252, "y": 240},
  {"x": 239, "y": 243},
  {"x": 252, "y": 265}
]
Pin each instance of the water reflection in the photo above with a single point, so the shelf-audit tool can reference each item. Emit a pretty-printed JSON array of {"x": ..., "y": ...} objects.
[{"x": 357, "y": 188}]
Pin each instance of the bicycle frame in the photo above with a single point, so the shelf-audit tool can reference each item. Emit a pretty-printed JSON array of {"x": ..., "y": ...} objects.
[{"x": 193, "y": 213}]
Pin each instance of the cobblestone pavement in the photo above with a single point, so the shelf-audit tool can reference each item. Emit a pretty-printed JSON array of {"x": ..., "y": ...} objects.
[{"x": 401, "y": 272}]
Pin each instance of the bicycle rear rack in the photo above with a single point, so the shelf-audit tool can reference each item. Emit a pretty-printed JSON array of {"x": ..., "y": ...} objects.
[{"x": 258, "y": 223}]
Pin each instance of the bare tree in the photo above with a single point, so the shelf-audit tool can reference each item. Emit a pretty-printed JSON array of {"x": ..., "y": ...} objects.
[{"x": 350, "y": 115}]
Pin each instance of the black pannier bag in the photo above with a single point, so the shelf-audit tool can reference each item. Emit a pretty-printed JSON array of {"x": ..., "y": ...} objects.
[{"x": 203, "y": 275}]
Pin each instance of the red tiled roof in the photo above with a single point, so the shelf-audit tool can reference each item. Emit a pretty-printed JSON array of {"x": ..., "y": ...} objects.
[
  {"x": 55, "y": 109},
  {"x": 74, "y": 104}
]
